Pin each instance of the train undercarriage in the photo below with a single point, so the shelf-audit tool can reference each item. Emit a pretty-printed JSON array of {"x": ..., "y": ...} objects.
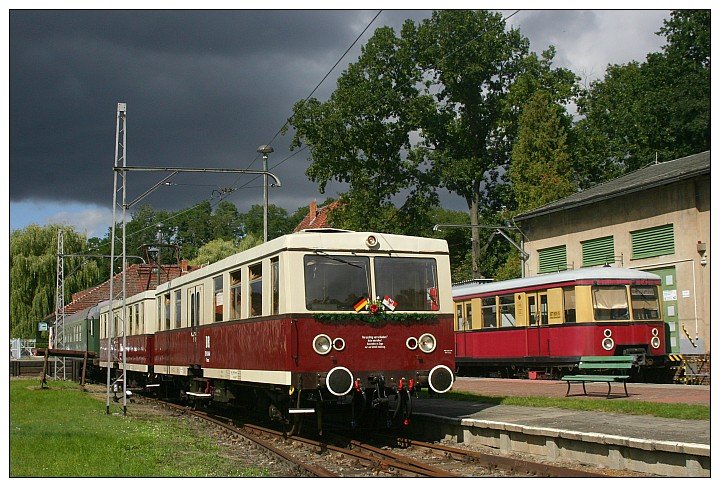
[{"x": 377, "y": 405}]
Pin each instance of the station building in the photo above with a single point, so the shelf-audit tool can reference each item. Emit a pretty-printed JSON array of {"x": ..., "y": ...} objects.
[{"x": 655, "y": 219}]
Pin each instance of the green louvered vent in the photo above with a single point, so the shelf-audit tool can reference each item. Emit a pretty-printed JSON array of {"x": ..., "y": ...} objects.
[
  {"x": 598, "y": 251},
  {"x": 651, "y": 242},
  {"x": 553, "y": 259}
]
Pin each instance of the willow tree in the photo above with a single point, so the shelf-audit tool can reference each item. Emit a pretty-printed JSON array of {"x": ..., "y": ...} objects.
[{"x": 33, "y": 273}]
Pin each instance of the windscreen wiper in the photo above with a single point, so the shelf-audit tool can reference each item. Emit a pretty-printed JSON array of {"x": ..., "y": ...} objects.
[{"x": 327, "y": 256}]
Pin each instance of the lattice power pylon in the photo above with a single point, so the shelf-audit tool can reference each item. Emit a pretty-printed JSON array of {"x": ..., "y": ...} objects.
[{"x": 59, "y": 338}]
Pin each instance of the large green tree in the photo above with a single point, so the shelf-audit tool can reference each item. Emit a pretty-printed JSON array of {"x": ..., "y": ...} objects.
[
  {"x": 362, "y": 136},
  {"x": 541, "y": 169},
  {"x": 657, "y": 109},
  {"x": 33, "y": 274},
  {"x": 431, "y": 108}
]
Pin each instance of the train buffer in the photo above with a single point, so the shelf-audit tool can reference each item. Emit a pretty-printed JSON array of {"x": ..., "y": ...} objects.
[{"x": 602, "y": 369}]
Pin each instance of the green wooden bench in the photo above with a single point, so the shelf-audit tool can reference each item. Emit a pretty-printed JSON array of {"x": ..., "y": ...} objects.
[{"x": 602, "y": 369}]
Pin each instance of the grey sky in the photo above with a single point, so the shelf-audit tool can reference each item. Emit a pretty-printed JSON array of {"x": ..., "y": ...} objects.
[{"x": 205, "y": 89}]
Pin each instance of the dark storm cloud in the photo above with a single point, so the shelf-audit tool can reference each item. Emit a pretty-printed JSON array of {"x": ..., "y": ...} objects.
[{"x": 203, "y": 89}]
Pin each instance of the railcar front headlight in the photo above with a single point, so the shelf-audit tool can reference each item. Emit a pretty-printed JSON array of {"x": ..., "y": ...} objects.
[
  {"x": 427, "y": 343},
  {"x": 608, "y": 343},
  {"x": 339, "y": 344},
  {"x": 655, "y": 342},
  {"x": 322, "y": 344}
]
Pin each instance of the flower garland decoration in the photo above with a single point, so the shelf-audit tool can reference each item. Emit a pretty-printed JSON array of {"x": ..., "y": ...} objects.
[{"x": 377, "y": 311}]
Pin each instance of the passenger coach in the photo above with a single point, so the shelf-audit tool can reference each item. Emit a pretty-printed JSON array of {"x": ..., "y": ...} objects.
[
  {"x": 298, "y": 325},
  {"x": 546, "y": 323}
]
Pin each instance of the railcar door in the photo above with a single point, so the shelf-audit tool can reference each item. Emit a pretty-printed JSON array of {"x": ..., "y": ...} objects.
[
  {"x": 195, "y": 314},
  {"x": 536, "y": 339}
]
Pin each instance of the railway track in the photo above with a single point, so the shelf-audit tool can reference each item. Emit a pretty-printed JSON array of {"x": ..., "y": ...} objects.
[{"x": 375, "y": 455}]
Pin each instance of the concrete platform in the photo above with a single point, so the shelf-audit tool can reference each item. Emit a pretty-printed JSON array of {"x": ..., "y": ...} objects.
[{"x": 646, "y": 444}]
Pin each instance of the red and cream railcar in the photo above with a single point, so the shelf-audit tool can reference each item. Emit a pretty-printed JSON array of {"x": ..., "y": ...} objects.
[
  {"x": 546, "y": 323},
  {"x": 138, "y": 345},
  {"x": 310, "y": 321}
]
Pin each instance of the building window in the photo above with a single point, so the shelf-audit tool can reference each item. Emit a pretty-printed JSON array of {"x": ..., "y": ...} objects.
[
  {"x": 218, "y": 297},
  {"x": 598, "y": 251},
  {"x": 275, "y": 281},
  {"x": 256, "y": 299},
  {"x": 489, "y": 313},
  {"x": 653, "y": 242},
  {"x": 235, "y": 295},
  {"x": 178, "y": 308},
  {"x": 553, "y": 259}
]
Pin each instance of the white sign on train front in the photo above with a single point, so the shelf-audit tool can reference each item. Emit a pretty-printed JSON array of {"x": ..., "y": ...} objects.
[{"x": 374, "y": 341}]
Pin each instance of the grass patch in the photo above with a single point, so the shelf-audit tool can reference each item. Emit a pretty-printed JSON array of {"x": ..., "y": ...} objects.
[
  {"x": 622, "y": 406},
  {"x": 65, "y": 432}
]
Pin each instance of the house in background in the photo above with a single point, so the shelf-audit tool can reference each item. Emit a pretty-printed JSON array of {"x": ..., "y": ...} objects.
[
  {"x": 316, "y": 217},
  {"x": 655, "y": 219}
]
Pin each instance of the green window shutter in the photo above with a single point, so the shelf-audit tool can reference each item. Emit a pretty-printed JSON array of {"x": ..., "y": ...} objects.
[
  {"x": 598, "y": 251},
  {"x": 651, "y": 242},
  {"x": 552, "y": 259}
]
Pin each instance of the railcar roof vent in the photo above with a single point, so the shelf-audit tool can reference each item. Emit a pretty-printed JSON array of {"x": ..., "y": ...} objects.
[{"x": 325, "y": 230}]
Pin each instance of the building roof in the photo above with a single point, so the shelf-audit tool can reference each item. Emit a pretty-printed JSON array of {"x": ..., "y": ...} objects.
[
  {"x": 645, "y": 178},
  {"x": 139, "y": 278},
  {"x": 317, "y": 217}
]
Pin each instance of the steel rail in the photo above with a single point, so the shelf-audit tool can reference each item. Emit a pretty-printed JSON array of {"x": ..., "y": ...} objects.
[
  {"x": 313, "y": 470},
  {"x": 519, "y": 467}
]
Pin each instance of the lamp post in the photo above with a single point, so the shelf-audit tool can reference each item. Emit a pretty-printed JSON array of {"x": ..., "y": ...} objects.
[{"x": 265, "y": 150}]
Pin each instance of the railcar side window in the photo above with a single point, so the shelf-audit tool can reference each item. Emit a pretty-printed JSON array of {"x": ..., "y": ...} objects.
[
  {"x": 644, "y": 302},
  {"x": 218, "y": 297},
  {"x": 275, "y": 281},
  {"x": 178, "y": 308},
  {"x": 335, "y": 282},
  {"x": 489, "y": 312},
  {"x": 167, "y": 311},
  {"x": 459, "y": 316},
  {"x": 256, "y": 290},
  {"x": 410, "y": 282},
  {"x": 507, "y": 310},
  {"x": 235, "y": 295},
  {"x": 610, "y": 302},
  {"x": 569, "y": 304}
]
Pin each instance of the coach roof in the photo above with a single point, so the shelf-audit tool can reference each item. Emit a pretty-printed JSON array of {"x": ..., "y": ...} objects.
[
  {"x": 325, "y": 240},
  {"x": 584, "y": 274}
]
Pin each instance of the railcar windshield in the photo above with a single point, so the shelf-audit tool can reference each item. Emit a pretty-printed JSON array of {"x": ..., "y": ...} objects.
[
  {"x": 335, "y": 282},
  {"x": 610, "y": 302},
  {"x": 410, "y": 282},
  {"x": 645, "y": 303}
]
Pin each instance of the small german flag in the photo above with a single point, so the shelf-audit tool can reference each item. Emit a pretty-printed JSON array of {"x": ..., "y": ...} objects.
[{"x": 360, "y": 304}]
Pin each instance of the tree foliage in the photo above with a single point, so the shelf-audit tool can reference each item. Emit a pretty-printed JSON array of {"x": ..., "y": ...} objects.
[
  {"x": 218, "y": 249},
  {"x": 431, "y": 108},
  {"x": 541, "y": 169},
  {"x": 33, "y": 271},
  {"x": 657, "y": 109}
]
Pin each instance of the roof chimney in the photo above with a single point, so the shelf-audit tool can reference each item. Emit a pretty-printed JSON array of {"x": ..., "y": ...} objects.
[
  {"x": 313, "y": 209},
  {"x": 183, "y": 266}
]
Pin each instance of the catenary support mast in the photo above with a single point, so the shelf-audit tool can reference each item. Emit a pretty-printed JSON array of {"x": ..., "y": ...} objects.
[{"x": 120, "y": 170}]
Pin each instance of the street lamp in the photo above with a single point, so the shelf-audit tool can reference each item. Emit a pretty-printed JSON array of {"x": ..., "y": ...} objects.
[{"x": 265, "y": 150}]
